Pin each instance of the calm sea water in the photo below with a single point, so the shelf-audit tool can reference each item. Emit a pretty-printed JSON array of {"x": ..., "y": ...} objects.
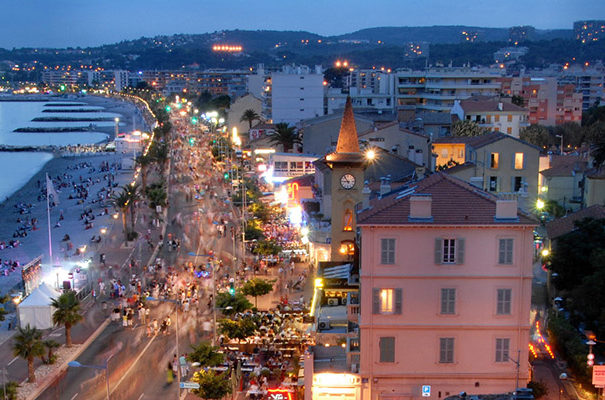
[{"x": 23, "y": 166}]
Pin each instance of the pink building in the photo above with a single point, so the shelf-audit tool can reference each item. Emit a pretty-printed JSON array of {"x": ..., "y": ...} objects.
[{"x": 445, "y": 292}]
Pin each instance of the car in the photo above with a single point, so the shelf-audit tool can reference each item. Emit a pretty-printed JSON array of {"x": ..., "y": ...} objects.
[{"x": 523, "y": 394}]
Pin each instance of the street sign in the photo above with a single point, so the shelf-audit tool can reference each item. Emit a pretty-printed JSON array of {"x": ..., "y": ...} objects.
[
  {"x": 598, "y": 375},
  {"x": 189, "y": 385},
  {"x": 426, "y": 390}
]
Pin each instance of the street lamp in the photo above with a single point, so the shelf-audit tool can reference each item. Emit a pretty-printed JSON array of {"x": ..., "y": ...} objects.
[
  {"x": 117, "y": 121},
  {"x": 76, "y": 364},
  {"x": 178, "y": 370},
  {"x": 561, "y": 149}
]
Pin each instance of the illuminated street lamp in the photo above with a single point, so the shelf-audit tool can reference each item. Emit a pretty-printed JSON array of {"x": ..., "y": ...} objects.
[
  {"x": 370, "y": 154},
  {"x": 117, "y": 128},
  {"x": 540, "y": 204}
]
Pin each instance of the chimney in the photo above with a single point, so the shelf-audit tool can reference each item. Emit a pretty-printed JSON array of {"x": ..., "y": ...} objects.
[
  {"x": 365, "y": 194},
  {"x": 500, "y": 106},
  {"x": 385, "y": 185},
  {"x": 421, "y": 206},
  {"x": 506, "y": 209}
]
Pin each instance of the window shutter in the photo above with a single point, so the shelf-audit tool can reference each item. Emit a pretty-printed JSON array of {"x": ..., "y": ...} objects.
[
  {"x": 438, "y": 251},
  {"x": 512, "y": 184},
  {"x": 398, "y": 300},
  {"x": 459, "y": 251},
  {"x": 375, "y": 301},
  {"x": 502, "y": 251}
]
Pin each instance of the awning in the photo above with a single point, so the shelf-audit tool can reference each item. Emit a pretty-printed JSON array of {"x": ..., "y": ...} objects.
[{"x": 339, "y": 271}]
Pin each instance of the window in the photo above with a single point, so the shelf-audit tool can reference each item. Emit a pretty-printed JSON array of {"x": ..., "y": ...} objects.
[
  {"x": 488, "y": 119},
  {"x": 502, "y": 347},
  {"x": 497, "y": 118},
  {"x": 509, "y": 118},
  {"x": 449, "y": 251},
  {"x": 503, "y": 305},
  {"x": 446, "y": 350},
  {"x": 493, "y": 184},
  {"x": 509, "y": 130},
  {"x": 448, "y": 301},
  {"x": 495, "y": 158},
  {"x": 387, "y": 251},
  {"x": 505, "y": 251},
  {"x": 518, "y": 161},
  {"x": 387, "y": 349},
  {"x": 444, "y": 153},
  {"x": 517, "y": 183},
  {"x": 387, "y": 301},
  {"x": 348, "y": 221}
]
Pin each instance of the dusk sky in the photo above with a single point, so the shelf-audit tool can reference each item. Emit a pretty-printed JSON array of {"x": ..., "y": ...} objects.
[{"x": 62, "y": 23}]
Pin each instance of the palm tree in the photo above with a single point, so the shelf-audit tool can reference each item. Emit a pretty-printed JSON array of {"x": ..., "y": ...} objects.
[
  {"x": 159, "y": 153},
  {"x": 286, "y": 136},
  {"x": 133, "y": 195},
  {"x": 67, "y": 312},
  {"x": 120, "y": 202},
  {"x": 28, "y": 345},
  {"x": 50, "y": 346},
  {"x": 144, "y": 161},
  {"x": 249, "y": 115}
]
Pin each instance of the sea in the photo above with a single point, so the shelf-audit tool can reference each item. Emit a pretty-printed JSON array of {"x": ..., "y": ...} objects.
[{"x": 17, "y": 168}]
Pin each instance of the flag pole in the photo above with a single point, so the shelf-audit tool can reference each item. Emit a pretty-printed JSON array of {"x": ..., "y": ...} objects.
[{"x": 50, "y": 247}]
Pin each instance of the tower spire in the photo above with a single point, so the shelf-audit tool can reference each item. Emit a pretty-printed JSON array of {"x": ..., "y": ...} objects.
[{"x": 347, "y": 137}]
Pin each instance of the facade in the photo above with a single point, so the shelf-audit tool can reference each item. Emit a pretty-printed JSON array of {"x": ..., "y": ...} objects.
[
  {"x": 549, "y": 103},
  {"x": 405, "y": 143},
  {"x": 294, "y": 94},
  {"x": 495, "y": 162},
  {"x": 320, "y": 134},
  {"x": 214, "y": 81},
  {"x": 594, "y": 187},
  {"x": 288, "y": 165},
  {"x": 588, "y": 82},
  {"x": 492, "y": 113},
  {"x": 445, "y": 270},
  {"x": 237, "y": 109},
  {"x": 563, "y": 182},
  {"x": 120, "y": 80}
]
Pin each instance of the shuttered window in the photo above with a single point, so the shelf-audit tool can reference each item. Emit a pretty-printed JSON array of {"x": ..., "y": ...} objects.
[
  {"x": 502, "y": 349},
  {"x": 504, "y": 300},
  {"x": 446, "y": 350},
  {"x": 505, "y": 251},
  {"x": 449, "y": 251},
  {"x": 387, "y": 301},
  {"x": 387, "y": 349},
  {"x": 387, "y": 251},
  {"x": 448, "y": 301}
]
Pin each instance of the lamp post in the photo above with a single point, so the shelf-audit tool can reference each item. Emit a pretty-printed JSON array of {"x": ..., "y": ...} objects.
[
  {"x": 178, "y": 370},
  {"x": 117, "y": 127},
  {"x": 76, "y": 364},
  {"x": 560, "y": 136},
  {"x": 518, "y": 364}
]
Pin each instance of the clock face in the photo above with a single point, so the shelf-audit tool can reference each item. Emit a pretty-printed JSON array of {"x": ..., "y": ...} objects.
[{"x": 347, "y": 181}]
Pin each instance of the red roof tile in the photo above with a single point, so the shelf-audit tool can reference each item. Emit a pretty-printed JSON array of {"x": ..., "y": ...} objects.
[
  {"x": 561, "y": 226},
  {"x": 454, "y": 202},
  {"x": 478, "y": 104}
]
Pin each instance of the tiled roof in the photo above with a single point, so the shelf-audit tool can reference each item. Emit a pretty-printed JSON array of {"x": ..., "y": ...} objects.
[
  {"x": 264, "y": 125},
  {"x": 454, "y": 202},
  {"x": 479, "y": 141},
  {"x": 561, "y": 226},
  {"x": 348, "y": 141},
  {"x": 565, "y": 169},
  {"x": 478, "y": 104}
]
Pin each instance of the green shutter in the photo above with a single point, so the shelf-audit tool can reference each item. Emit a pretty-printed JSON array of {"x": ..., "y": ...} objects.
[
  {"x": 398, "y": 300},
  {"x": 438, "y": 251},
  {"x": 375, "y": 301},
  {"x": 459, "y": 251}
]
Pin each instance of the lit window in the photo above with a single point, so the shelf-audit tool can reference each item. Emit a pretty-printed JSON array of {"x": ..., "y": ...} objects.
[
  {"x": 347, "y": 248},
  {"x": 348, "y": 220},
  {"x": 386, "y": 301},
  {"x": 495, "y": 158},
  {"x": 518, "y": 160},
  {"x": 509, "y": 118},
  {"x": 497, "y": 118}
]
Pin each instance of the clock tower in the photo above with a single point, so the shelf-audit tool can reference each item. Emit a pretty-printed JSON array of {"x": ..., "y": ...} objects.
[{"x": 346, "y": 182}]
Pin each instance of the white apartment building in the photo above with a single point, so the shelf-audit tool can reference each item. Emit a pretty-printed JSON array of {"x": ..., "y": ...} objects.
[
  {"x": 120, "y": 79},
  {"x": 493, "y": 113},
  {"x": 294, "y": 94},
  {"x": 588, "y": 81}
]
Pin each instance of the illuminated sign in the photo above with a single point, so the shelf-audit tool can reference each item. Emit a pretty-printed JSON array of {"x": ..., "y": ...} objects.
[
  {"x": 292, "y": 189},
  {"x": 328, "y": 379},
  {"x": 227, "y": 48},
  {"x": 280, "y": 394}
]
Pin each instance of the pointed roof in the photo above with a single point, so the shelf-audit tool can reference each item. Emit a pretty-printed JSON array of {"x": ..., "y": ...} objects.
[{"x": 348, "y": 141}]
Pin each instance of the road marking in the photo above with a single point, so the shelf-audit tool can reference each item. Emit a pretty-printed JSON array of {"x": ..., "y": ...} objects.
[
  {"x": 141, "y": 396},
  {"x": 75, "y": 395},
  {"x": 132, "y": 365},
  {"x": 12, "y": 361}
]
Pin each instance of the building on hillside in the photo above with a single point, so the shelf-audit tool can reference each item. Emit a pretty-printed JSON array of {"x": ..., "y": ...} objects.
[
  {"x": 321, "y": 134},
  {"x": 548, "y": 102},
  {"x": 564, "y": 181},
  {"x": 520, "y": 34},
  {"x": 495, "y": 162},
  {"x": 403, "y": 142},
  {"x": 589, "y": 31},
  {"x": 513, "y": 53},
  {"x": 445, "y": 268},
  {"x": 294, "y": 94},
  {"x": 214, "y": 81},
  {"x": 237, "y": 109},
  {"x": 495, "y": 114},
  {"x": 588, "y": 82}
]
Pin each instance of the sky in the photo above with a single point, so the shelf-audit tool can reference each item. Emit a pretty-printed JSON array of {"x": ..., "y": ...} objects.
[{"x": 72, "y": 23}]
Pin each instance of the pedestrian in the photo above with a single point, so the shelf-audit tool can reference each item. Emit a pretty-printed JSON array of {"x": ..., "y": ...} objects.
[
  {"x": 183, "y": 365},
  {"x": 147, "y": 312},
  {"x": 142, "y": 315},
  {"x": 124, "y": 320},
  {"x": 169, "y": 374}
]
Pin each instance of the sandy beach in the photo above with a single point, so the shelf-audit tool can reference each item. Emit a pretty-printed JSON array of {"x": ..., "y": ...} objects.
[{"x": 82, "y": 170}]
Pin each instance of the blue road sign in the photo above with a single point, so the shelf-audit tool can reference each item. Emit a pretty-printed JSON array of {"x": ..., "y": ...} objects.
[{"x": 426, "y": 390}]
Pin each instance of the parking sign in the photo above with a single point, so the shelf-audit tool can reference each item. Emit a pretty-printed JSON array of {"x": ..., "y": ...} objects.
[{"x": 426, "y": 390}]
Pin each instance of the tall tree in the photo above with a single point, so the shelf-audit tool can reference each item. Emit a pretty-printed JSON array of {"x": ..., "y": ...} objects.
[
  {"x": 537, "y": 135},
  {"x": 250, "y": 116},
  {"x": 257, "y": 287},
  {"x": 286, "y": 136},
  {"x": 67, "y": 312},
  {"x": 467, "y": 128},
  {"x": 205, "y": 354},
  {"x": 144, "y": 161},
  {"x": 232, "y": 304},
  {"x": 212, "y": 385},
  {"x": 28, "y": 345},
  {"x": 120, "y": 202},
  {"x": 160, "y": 153},
  {"x": 133, "y": 195}
]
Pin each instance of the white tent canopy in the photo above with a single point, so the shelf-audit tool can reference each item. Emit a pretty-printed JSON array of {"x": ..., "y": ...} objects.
[{"x": 36, "y": 310}]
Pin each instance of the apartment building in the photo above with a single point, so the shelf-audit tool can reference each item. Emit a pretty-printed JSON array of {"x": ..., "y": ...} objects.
[
  {"x": 588, "y": 82},
  {"x": 214, "y": 81},
  {"x": 589, "y": 31},
  {"x": 445, "y": 271},
  {"x": 548, "y": 102},
  {"x": 494, "y": 114}
]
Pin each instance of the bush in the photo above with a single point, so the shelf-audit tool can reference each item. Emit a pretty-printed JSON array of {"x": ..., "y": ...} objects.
[
  {"x": 539, "y": 389},
  {"x": 130, "y": 236},
  {"x": 566, "y": 339}
]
